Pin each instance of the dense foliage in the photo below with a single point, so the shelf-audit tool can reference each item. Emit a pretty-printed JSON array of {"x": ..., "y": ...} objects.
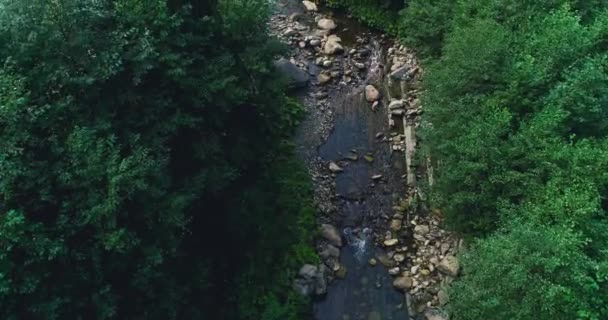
[
  {"x": 516, "y": 118},
  {"x": 144, "y": 172}
]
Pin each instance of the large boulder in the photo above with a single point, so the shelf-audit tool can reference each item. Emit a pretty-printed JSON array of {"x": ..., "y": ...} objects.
[
  {"x": 331, "y": 234},
  {"x": 371, "y": 93},
  {"x": 403, "y": 283},
  {"x": 310, "y": 6},
  {"x": 326, "y": 24},
  {"x": 329, "y": 251},
  {"x": 333, "y": 45},
  {"x": 449, "y": 265},
  {"x": 296, "y": 77}
]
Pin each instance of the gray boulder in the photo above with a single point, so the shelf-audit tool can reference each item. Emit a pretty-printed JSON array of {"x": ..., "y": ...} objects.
[{"x": 296, "y": 77}]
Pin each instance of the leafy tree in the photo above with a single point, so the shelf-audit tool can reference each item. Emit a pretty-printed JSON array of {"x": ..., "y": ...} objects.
[
  {"x": 126, "y": 126},
  {"x": 530, "y": 272}
]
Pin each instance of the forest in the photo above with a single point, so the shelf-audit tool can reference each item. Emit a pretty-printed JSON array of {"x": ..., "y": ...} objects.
[
  {"x": 147, "y": 169},
  {"x": 516, "y": 119}
]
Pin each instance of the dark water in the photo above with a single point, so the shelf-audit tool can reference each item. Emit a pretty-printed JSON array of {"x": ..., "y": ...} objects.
[{"x": 366, "y": 293}]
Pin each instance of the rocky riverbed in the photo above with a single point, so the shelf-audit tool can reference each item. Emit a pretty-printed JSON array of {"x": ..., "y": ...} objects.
[{"x": 384, "y": 254}]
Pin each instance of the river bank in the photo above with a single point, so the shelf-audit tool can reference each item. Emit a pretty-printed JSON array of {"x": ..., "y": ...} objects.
[{"x": 384, "y": 254}]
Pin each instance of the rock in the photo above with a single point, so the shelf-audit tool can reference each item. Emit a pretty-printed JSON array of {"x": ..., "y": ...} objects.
[
  {"x": 315, "y": 42},
  {"x": 329, "y": 251},
  {"x": 399, "y": 257},
  {"x": 327, "y": 63},
  {"x": 359, "y": 65},
  {"x": 371, "y": 93},
  {"x": 449, "y": 265},
  {"x": 310, "y": 6},
  {"x": 368, "y": 158},
  {"x": 308, "y": 271},
  {"x": 290, "y": 32},
  {"x": 433, "y": 314},
  {"x": 391, "y": 242},
  {"x": 332, "y": 45},
  {"x": 321, "y": 277},
  {"x": 443, "y": 297},
  {"x": 295, "y": 76},
  {"x": 425, "y": 272},
  {"x": 403, "y": 283},
  {"x": 445, "y": 247},
  {"x": 335, "y": 168},
  {"x": 376, "y": 177},
  {"x": 323, "y": 78},
  {"x": 303, "y": 287},
  {"x": 386, "y": 261},
  {"x": 395, "y": 104},
  {"x": 400, "y": 73},
  {"x": 394, "y": 271},
  {"x": 331, "y": 234},
  {"x": 372, "y": 262},
  {"x": 395, "y": 225},
  {"x": 326, "y": 24},
  {"x": 421, "y": 230}
]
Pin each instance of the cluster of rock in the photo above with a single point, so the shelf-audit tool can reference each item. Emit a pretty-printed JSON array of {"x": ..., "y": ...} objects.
[
  {"x": 419, "y": 254},
  {"x": 422, "y": 258},
  {"x": 314, "y": 279}
]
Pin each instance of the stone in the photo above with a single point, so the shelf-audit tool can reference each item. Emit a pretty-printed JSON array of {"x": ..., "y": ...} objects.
[
  {"x": 331, "y": 234},
  {"x": 395, "y": 225},
  {"x": 368, "y": 158},
  {"x": 332, "y": 45},
  {"x": 395, "y": 104},
  {"x": 449, "y": 265},
  {"x": 303, "y": 287},
  {"x": 421, "y": 230},
  {"x": 308, "y": 271},
  {"x": 403, "y": 283},
  {"x": 394, "y": 271},
  {"x": 290, "y": 32},
  {"x": 327, "y": 63},
  {"x": 372, "y": 262},
  {"x": 400, "y": 73},
  {"x": 326, "y": 24},
  {"x": 432, "y": 314},
  {"x": 309, "y": 5},
  {"x": 329, "y": 251},
  {"x": 445, "y": 247},
  {"x": 386, "y": 261},
  {"x": 371, "y": 93},
  {"x": 296, "y": 77},
  {"x": 443, "y": 297},
  {"x": 323, "y": 78},
  {"x": 425, "y": 272},
  {"x": 315, "y": 42},
  {"x": 320, "y": 280},
  {"x": 335, "y": 168},
  {"x": 359, "y": 65},
  {"x": 391, "y": 242},
  {"x": 399, "y": 257},
  {"x": 376, "y": 177}
]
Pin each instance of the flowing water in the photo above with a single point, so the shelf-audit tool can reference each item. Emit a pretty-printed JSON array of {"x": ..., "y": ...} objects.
[{"x": 363, "y": 205}]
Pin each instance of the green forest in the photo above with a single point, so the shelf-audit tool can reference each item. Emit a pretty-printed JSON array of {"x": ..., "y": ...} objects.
[
  {"x": 136, "y": 136},
  {"x": 516, "y": 120}
]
